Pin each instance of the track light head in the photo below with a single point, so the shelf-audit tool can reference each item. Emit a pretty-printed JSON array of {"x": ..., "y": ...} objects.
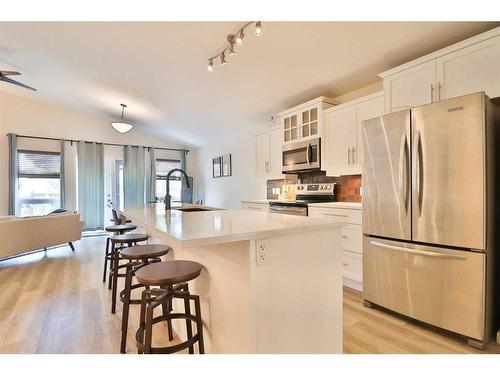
[
  {"x": 258, "y": 28},
  {"x": 210, "y": 65},
  {"x": 223, "y": 58},
  {"x": 231, "y": 49},
  {"x": 239, "y": 38}
]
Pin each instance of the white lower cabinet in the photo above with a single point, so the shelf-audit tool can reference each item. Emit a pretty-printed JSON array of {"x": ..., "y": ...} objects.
[
  {"x": 255, "y": 206},
  {"x": 352, "y": 240}
]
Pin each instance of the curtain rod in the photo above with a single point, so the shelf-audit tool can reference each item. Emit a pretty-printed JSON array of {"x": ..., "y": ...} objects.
[{"x": 104, "y": 143}]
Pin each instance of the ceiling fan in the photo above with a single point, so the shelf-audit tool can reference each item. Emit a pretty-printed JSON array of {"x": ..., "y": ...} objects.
[{"x": 4, "y": 78}]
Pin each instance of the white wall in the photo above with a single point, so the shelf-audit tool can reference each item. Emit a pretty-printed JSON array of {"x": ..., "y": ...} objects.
[
  {"x": 227, "y": 192},
  {"x": 29, "y": 116}
]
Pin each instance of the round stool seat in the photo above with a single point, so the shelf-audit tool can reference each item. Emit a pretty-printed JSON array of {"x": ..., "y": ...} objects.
[
  {"x": 169, "y": 272},
  {"x": 120, "y": 228},
  {"x": 141, "y": 252},
  {"x": 129, "y": 237}
]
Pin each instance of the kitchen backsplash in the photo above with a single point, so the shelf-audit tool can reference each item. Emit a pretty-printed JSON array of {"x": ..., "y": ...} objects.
[{"x": 347, "y": 188}]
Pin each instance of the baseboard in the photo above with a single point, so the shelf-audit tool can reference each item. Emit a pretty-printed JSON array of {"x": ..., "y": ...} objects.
[{"x": 353, "y": 284}]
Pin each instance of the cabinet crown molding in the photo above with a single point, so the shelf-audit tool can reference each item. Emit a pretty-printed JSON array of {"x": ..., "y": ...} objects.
[
  {"x": 318, "y": 100},
  {"x": 353, "y": 102},
  {"x": 444, "y": 51}
]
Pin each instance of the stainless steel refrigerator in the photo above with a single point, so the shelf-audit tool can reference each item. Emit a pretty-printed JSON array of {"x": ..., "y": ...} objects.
[{"x": 428, "y": 213}]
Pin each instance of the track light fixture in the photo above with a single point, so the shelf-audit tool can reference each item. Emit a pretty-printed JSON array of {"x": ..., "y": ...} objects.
[{"x": 233, "y": 39}]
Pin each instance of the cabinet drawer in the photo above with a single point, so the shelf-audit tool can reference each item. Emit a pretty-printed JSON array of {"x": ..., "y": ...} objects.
[
  {"x": 352, "y": 238},
  {"x": 352, "y": 265},
  {"x": 352, "y": 216}
]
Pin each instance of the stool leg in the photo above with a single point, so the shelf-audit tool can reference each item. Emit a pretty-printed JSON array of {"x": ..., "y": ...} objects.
[
  {"x": 199, "y": 324},
  {"x": 126, "y": 308},
  {"x": 187, "y": 310},
  {"x": 148, "y": 329},
  {"x": 112, "y": 254},
  {"x": 166, "y": 310},
  {"x": 142, "y": 318},
  {"x": 115, "y": 281},
  {"x": 105, "y": 261}
]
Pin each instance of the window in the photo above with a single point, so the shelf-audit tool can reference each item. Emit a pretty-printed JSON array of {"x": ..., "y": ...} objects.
[
  {"x": 38, "y": 182},
  {"x": 163, "y": 166}
]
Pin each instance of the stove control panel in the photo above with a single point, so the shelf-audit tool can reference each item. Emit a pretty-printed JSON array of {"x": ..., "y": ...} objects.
[{"x": 315, "y": 189}]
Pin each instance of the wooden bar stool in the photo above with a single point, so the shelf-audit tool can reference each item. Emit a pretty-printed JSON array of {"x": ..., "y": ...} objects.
[
  {"x": 118, "y": 242},
  {"x": 138, "y": 257},
  {"x": 116, "y": 230},
  {"x": 172, "y": 277}
]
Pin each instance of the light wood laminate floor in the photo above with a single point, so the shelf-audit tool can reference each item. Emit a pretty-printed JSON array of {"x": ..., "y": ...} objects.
[{"x": 55, "y": 302}]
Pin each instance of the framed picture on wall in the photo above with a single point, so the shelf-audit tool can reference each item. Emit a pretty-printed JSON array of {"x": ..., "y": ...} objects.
[
  {"x": 216, "y": 167},
  {"x": 226, "y": 165}
]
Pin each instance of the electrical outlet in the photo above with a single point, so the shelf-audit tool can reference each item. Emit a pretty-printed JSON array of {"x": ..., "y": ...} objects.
[{"x": 262, "y": 257}]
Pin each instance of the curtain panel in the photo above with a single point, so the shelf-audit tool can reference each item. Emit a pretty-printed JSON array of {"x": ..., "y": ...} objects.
[
  {"x": 62, "y": 175},
  {"x": 133, "y": 175},
  {"x": 91, "y": 184},
  {"x": 152, "y": 176},
  {"x": 12, "y": 172}
]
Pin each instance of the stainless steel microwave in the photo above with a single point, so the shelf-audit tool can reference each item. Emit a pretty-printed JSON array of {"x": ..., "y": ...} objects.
[{"x": 302, "y": 156}]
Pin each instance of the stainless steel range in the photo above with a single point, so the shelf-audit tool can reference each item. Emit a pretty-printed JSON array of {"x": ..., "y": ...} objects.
[{"x": 306, "y": 193}]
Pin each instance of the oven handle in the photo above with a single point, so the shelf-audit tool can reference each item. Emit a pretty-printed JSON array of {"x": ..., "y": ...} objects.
[{"x": 289, "y": 209}]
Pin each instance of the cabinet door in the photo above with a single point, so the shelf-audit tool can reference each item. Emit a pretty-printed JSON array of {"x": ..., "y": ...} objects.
[
  {"x": 275, "y": 157},
  {"x": 410, "y": 88},
  {"x": 364, "y": 111},
  {"x": 470, "y": 70},
  {"x": 290, "y": 128},
  {"x": 341, "y": 136},
  {"x": 262, "y": 156},
  {"x": 309, "y": 122}
]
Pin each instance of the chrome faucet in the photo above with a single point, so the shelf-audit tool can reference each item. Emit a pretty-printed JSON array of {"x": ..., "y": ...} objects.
[{"x": 168, "y": 197}]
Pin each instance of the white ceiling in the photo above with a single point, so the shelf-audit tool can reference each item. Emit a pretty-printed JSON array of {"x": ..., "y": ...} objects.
[{"x": 160, "y": 69}]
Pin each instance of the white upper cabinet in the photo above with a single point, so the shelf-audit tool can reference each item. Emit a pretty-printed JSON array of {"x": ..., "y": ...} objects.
[
  {"x": 342, "y": 151},
  {"x": 268, "y": 154},
  {"x": 466, "y": 67},
  {"x": 411, "y": 87},
  {"x": 304, "y": 121},
  {"x": 472, "y": 69}
]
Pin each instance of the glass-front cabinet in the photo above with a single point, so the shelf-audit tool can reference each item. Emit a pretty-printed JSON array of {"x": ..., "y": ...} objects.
[
  {"x": 305, "y": 120},
  {"x": 290, "y": 128}
]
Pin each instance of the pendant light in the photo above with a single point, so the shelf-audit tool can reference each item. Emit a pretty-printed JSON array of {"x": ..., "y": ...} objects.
[{"x": 122, "y": 126}]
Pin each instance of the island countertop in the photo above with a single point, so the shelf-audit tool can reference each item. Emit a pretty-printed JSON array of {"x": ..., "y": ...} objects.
[{"x": 220, "y": 226}]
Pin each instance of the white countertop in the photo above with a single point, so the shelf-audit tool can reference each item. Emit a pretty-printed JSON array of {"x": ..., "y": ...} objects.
[
  {"x": 220, "y": 226},
  {"x": 348, "y": 205}
]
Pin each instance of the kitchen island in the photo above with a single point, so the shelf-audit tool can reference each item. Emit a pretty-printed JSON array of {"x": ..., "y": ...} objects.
[{"x": 271, "y": 283}]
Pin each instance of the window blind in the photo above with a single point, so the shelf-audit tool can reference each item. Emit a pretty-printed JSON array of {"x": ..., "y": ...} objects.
[
  {"x": 163, "y": 166},
  {"x": 38, "y": 164}
]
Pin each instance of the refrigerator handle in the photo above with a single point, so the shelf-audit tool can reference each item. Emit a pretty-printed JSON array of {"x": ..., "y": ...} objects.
[
  {"x": 419, "y": 170},
  {"x": 403, "y": 172}
]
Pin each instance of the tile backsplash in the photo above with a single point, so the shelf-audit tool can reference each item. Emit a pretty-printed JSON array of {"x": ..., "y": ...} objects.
[{"x": 347, "y": 188}]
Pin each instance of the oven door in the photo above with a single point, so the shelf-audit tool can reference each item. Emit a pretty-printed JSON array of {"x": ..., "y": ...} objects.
[
  {"x": 288, "y": 210},
  {"x": 301, "y": 156}
]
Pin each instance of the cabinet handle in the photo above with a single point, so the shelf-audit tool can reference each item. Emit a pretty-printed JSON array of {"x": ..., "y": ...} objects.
[
  {"x": 345, "y": 237},
  {"x": 432, "y": 93},
  {"x": 439, "y": 91},
  {"x": 349, "y": 156},
  {"x": 352, "y": 157}
]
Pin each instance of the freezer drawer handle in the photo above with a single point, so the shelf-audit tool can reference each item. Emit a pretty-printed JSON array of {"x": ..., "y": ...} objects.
[{"x": 418, "y": 252}]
